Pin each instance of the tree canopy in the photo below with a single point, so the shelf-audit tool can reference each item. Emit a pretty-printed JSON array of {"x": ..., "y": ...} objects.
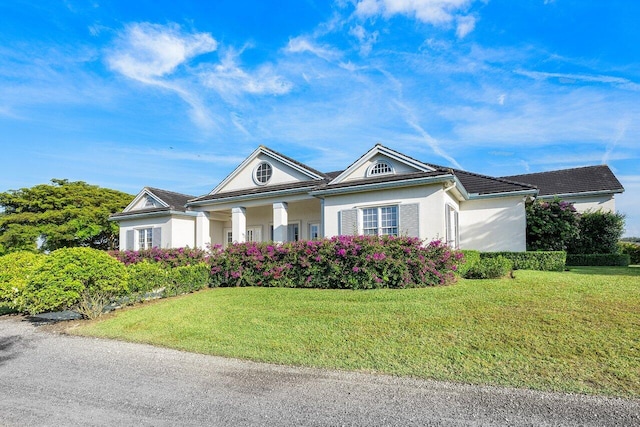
[{"x": 61, "y": 214}]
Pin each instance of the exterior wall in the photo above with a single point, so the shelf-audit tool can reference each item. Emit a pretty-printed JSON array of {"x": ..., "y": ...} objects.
[
  {"x": 281, "y": 174},
  {"x": 182, "y": 233},
  {"x": 594, "y": 203},
  {"x": 430, "y": 200},
  {"x": 176, "y": 232},
  {"x": 361, "y": 171},
  {"x": 496, "y": 224}
]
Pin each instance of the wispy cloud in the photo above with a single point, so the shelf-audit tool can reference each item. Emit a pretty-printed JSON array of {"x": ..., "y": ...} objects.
[
  {"x": 435, "y": 12},
  {"x": 302, "y": 44},
  {"x": 569, "y": 78}
]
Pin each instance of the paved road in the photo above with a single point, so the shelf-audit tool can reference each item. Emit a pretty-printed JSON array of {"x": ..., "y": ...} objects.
[{"x": 51, "y": 379}]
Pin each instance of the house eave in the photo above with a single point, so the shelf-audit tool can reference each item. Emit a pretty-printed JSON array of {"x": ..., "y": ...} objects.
[
  {"x": 127, "y": 216},
  {"x": 266, "y": 195},
  {"x": 585, "y": 194},
  {"x": 360, "y": 188},
  {"x": 477, "y": 196}
]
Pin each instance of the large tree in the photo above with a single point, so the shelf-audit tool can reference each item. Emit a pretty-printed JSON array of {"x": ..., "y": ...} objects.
[{"x": 61, "y": 214}]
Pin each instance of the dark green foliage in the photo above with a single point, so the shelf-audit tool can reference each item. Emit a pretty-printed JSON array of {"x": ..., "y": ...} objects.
[
  {"x": 68, "y": 275},
  {"x": 551, "y": 226},
  {"x": 188, "y": 278},
  {"x": 599, "y": 233},
  {"x": 540, "y": 260},
  {"x": 471, "y": 257},
  {"x": 16, "y": 269},
  {"x": 490, "y": 268},
  {"x": 602, "y": 260},
  {"x": 631, "y": 249},
  {"x": 62, "y": 214}
]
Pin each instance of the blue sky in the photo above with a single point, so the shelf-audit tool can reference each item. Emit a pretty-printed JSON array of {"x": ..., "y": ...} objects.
[{"x": 174, "y": 95}]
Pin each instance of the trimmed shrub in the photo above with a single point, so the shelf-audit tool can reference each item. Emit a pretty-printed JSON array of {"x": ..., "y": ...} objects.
[
  {"x": 539, "y": 260},
  {"x": 16, "y": 269},
  {"x": 599, "y": 233},
  {"x": 601, "y": 260},
  {"x": 186, "y": 279},
  {"x": 471, "y": 257},
  {"x": 146, "y": 277},
  {"x": 490, "y": 268},
  {"x": 631, "y": 249},
  {"x": 343, "y": 262},
  {"x": 169, "y": 257},
  {"x": 67, "y": 273}
]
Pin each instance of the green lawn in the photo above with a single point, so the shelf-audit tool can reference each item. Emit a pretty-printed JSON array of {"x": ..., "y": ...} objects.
[{"x": 576, "y": 331}]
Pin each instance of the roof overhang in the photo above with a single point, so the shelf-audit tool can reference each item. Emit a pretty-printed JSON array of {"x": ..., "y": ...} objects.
[
  {"x": 132, "y": 215},
  {"x": 253, "y": 196},
  {"x": 476, "y": 196},
  {"x": 585, "y": 194},
  {"x": 363, "y": 187}
]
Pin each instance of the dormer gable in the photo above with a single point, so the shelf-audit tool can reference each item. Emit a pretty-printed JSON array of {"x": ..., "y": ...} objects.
[
  {"x": 380, "y": 161},
  {"x": 266, "y": 167}
]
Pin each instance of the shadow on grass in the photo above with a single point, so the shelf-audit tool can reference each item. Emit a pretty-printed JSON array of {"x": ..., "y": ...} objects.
[{"x": 633, "y": 270}]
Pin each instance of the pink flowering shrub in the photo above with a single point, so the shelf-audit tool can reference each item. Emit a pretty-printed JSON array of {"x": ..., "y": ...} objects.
[
  {"x": 167, "y": 257},
  {"x": 344, "y": 262}
]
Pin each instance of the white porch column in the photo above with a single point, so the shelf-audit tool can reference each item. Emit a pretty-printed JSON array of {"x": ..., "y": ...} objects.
[
  {"x": 280, "y": 221},
  {"x": 239, "y": 224},
  {"x": 203, "y": 236}
]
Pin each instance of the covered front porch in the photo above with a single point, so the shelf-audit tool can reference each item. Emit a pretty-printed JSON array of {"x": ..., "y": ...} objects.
[{"x": 283, "y": 220}]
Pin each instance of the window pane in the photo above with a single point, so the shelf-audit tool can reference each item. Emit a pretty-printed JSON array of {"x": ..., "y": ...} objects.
[
  {"x": 381, "y": 168},
  {"x": 263, "y": 173},
  {"x": 389, "y": 220},
  {"x": 370, "y": 221}
]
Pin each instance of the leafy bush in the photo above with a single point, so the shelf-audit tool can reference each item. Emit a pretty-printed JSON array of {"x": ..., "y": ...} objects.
[
  {"x": 599, "y": 233},
  {"x": 145, "y": 277},
  {"x": 540, "y": 260},
  {"x": 347, "y": 262},
  {"x": 67, "y": 273},
  {"x": 470, "y": 258},
  {"x": 188, "y": 278},
  {"x": 551, "y": 226},
  {"x": 169, "y": 257},
  {"x": 604, "y": 260},
  {"x": 16, "y": 269},
  {"x": 490, "y": 268},
  {"x": 631, "y": 249}
]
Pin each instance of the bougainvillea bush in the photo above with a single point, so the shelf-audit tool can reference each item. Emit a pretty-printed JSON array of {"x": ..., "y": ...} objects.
[
  {"x": 168, "y": 257},
  {"x": 343, "y": 262}
]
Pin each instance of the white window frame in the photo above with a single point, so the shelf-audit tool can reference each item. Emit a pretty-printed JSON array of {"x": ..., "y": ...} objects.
[
  {"x": 315, "y": 225},
  {"x": 452, "y": 226},
  {"x": 256, "y": 177},
  {"x": 145, "y": 238},
  {"x": 377, "y": 214},
  {"x": 254, "y": 233},
  {"x": 289, "y": 225},
  {"x": 373, "y": 169}
]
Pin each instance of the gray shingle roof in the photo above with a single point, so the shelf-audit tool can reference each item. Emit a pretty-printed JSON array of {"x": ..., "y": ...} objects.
[
  {"x": 258, "y": 190},
  {"x": 587, "y": 179},
  {"x": 177, "y": 201}
]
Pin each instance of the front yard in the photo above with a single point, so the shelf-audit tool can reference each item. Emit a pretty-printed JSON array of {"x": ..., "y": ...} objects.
[{"x": 576, "y": 331}]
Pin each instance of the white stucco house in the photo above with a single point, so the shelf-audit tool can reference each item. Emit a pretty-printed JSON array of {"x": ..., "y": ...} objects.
[{"x": 272, "y": 197}]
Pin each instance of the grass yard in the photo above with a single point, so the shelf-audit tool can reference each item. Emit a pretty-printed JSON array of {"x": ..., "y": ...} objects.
[{"x": 576, "y": 331}]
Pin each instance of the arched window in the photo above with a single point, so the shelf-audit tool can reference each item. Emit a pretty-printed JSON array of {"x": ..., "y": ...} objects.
[
  {"x": 262, "y": 173},
  {"x": 380, "y": 168}
]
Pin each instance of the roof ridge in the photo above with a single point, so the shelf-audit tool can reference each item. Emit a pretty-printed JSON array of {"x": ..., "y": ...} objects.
[
  {"x": 480, "y": 175},
  {"x": 560, "y": 170},
  {"x": 168, "y": 191}
]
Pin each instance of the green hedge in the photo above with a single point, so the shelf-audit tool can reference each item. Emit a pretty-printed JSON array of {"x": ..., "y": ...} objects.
[
  {"x": 603, "y": 260},
  {"x": 16, "y": 269},
  {"x": 631, "y": 249},
  {"x": 188, "y": 278},
  {"x": 471, "y": 257},
  {"x": 489, "y": 268},
  {"x": 538, "y": 260}
]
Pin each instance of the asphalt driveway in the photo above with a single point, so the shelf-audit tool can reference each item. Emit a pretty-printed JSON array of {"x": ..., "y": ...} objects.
[{"x": 50, "y": 379}]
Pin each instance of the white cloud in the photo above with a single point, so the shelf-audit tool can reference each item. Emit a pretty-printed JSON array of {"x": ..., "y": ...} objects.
[
  {"x": 435, "y": 12},
  {"x": 465, "y": 24},
  {"x": 146, "y": 51},
  {"x": 229, "y": 80},
  {"x": 303, "y": 44},
  {"x": 366, "y": 39},
  {"x": 150, "y": 53}
]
